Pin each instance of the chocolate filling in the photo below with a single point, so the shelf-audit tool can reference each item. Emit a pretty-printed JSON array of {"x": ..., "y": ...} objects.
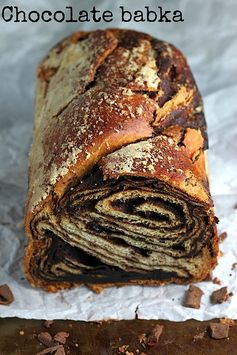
[
  {"x": 100, "y": 273},
  {"x": 135, "y": 220}
]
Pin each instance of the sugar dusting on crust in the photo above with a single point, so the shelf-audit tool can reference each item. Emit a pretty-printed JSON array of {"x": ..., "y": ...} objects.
[
  {"x": 73, "y": 121},
  {"x": 58, "y": 172},
  {"x": 146, "y": 154},
  {"x": 133, "y": 68},
  {"x": 76, "y": 65},
  {"x": 156, "y": 158},
  {"x": 76, "y": 68},
  {"x": 147, "y": 73}
]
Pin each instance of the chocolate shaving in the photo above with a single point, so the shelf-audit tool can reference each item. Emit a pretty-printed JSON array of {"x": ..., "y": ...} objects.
[
  {"x": 123, "y": 348},
  {"x": 61, "y": 337},
  {"x": 51, "y": 350},
  {"x": 6, "y": 295},
  {"x": 154, "y": 336},
  {"x": 142, "y": 338},
  {"x": 199, "y": 336},
  {"x": 223, "y": 236},
  {"x": 193, "y": 297},
  {"x": 46, "y": 339},
  {"x": 219, "y": 296},
  {"x": 218, "y": 330},
  {"x": 216, "y": 281},
  {"x": 48, "y": 323}
]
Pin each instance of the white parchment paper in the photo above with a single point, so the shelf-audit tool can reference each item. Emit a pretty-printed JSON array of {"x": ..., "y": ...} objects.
[{"x": 208, "y": 38}]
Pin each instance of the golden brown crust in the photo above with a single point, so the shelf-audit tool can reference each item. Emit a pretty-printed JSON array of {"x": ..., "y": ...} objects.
[{"x": 112, "y": 98}]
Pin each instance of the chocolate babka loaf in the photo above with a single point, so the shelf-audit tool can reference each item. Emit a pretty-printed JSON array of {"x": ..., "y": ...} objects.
[{"x": 118, "y": 186}]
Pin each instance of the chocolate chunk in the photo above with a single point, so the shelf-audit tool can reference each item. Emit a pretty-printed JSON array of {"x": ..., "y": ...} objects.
[
  {"x": 234, "y": 266},
  {"x": 228, "y": 321},
  {"x": 46, "y": 339},
  {"x": 216, "y": 281},
  {"x": 218, "y": 330},
  {"x": 48, "y": 323},
  {"x": 51, "y": 349},
  {"x": 142, "y": 338},
  {"x": 60, "y": 351},
  {"x": 219, "y": 296},
  {"x": 208, "y": 277},
  {"x": 154, "y": 336},
  {"x": 199, "y": 336},
  {"x": 6, "y": 295},
  {"x": 61, "y": 337},
  {"x": 123, "y": 348},
  {"x": 223, "y": 236},
  {"x": 193, "y": 297}
]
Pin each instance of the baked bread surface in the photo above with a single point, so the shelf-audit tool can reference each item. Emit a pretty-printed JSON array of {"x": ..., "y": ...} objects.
[{"x": 118, "y": 188}]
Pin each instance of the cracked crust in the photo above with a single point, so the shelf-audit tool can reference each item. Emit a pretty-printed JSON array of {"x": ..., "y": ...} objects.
[{"x": 103, "y": 98}]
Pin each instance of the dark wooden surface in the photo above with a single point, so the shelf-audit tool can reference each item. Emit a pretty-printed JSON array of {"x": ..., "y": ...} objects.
[{"x": 19, "y": 336}]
